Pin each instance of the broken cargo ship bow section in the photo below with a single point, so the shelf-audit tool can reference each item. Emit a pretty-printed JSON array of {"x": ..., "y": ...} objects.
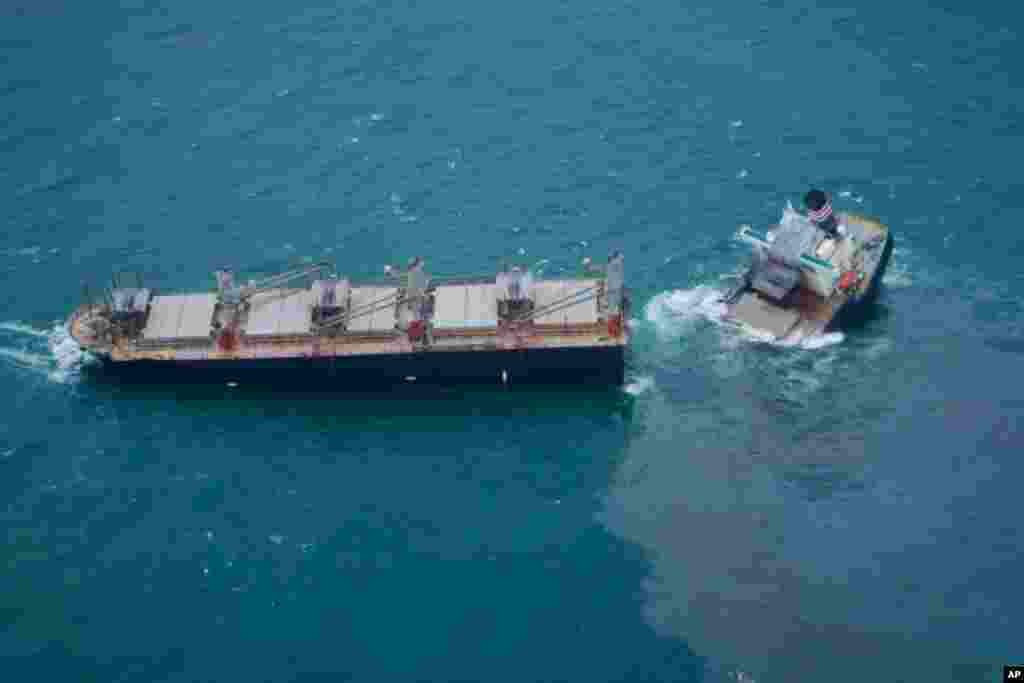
[{"x": 407, "y": 327}]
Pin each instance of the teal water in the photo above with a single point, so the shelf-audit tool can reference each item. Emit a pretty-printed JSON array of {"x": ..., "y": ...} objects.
[{"x": 737, "y": 512}]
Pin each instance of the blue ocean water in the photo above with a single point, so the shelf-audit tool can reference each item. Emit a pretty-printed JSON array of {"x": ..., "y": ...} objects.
[{"x": 738, "y": 512}]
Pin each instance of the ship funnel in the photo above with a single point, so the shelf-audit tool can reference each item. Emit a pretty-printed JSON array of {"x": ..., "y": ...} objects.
[{"x": 819, "y": 211}]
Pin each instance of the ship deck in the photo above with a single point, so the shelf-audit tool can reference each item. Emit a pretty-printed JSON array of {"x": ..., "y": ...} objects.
[{"x": 278, "y": 324}]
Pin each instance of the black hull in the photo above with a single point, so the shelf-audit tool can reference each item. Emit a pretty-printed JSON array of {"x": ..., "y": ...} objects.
[
  {"x": 588, "y": 365},
  {"x": 852, "y": 311}
]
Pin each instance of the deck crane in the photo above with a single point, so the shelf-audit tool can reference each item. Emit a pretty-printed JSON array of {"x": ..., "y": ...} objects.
[
  {"x": 233, "y": 300},
  {"x": 412, "y": 302}
]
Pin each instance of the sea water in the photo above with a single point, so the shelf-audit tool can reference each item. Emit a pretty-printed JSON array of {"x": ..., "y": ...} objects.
[{"x": 738, "y": 511}]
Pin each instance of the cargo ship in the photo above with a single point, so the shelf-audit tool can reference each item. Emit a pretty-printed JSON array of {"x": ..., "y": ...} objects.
[
  {"x": 509, "y": 327},
  {"x": 809, "y": 273}
]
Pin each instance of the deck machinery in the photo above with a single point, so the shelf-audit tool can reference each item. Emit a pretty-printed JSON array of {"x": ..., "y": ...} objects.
[{"x": 407, "y": 327}]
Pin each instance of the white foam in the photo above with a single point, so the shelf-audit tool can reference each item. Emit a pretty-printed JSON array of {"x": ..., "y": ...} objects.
[
  {"x": 823, "y": 340},
  {"x": 68, "y": 356},
  {"x": 25, "y": 358},
  {"x": 21, "y": 328},
  {"x": 641, "y": 385},
  {"x": 62, "y": 359},
  {"x": 676, "y": 313},
  {"x": 741, "y": 676},
  {"x": 811, "y": 343},
  {"x": 817, "y": 341}
]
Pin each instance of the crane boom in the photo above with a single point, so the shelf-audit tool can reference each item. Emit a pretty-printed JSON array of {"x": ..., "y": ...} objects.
[{"x": 238, "y": 294}]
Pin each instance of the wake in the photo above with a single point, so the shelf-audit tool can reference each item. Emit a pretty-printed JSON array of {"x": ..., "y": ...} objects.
[
  {"x": 53, "y": 353},
  {"x": 680, "y": 312}
]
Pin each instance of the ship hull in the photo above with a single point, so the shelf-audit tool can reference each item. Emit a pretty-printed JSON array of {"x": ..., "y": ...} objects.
[
  {"x": 853, "y": 309},
  {"x": 598, "y": 364}
]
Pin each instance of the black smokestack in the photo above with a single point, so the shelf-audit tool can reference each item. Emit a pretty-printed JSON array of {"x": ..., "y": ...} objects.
[{"x": 819, "y": 211}]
